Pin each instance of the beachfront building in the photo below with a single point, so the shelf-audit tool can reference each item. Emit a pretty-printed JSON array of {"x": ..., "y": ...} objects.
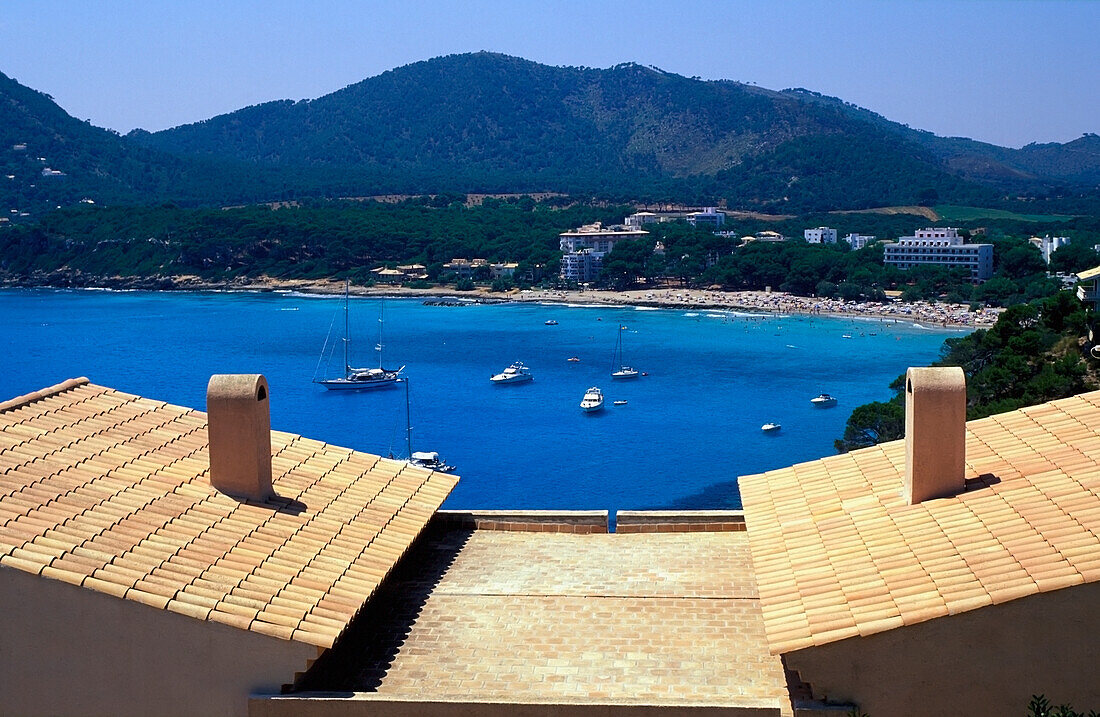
[
  {"x": 707, "y": 217},
  {"x": 583, "y": 249},
  {"x": 413, "y": 272},
  {"x": 820, "y": 235},
  {"x": 155, "y": 559},
  {"x": 503, "y": 269},
  {"x": 1047, "y": 245},
  {"x": 464, "y": 268},
  {"x": 858, "y": 241},
  {"x": 942, "y": 247}
]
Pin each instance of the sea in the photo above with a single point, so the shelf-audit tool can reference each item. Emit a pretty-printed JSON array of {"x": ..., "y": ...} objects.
[{"x": 690, "y": 426}]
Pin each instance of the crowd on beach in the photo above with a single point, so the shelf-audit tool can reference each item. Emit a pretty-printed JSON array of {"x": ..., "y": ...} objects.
[{"x": 922, "y": 312}]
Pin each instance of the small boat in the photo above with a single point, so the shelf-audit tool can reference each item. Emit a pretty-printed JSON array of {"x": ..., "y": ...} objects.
[
  {"x": 516, "y": 373},
  {"x": 619, "y": 403},
  {"x": 356, "y": 379},
  {"x": 824, "y": 401},
  {"x": 592, "y": 401},
  {"x": 845, "y": 336},
  {"x": 623, "y": 371},
  {"x": 429, "y": 460},
  {"x": 550, "y": 322},
  {"x": 770, "y": 427},
  {"x": 572, "y": 359}
]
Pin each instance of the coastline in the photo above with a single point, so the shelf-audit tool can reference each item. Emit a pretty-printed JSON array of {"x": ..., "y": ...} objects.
[{"x": 929, "y": 314}]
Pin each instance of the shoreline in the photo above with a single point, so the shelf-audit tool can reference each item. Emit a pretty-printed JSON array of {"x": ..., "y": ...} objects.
[{"x": 932, "y": 315}]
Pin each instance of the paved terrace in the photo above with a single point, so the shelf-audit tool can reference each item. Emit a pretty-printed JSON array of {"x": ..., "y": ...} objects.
[{"x": 482, "y": 616}]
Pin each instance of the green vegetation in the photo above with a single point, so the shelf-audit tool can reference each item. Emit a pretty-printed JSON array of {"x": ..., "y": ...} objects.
[
  {"x": 949, "y": 213},
  {"x": 322, "y": 240},
  {"x": 1040, "y": 706},
  {"x": 1031, "y": 355}
]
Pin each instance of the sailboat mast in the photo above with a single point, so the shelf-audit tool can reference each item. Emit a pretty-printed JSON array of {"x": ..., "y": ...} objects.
[
  {"x": 408, "y": 424},
  {"x": 381, "y": 323},
  {"x": 347, "y": 334}
]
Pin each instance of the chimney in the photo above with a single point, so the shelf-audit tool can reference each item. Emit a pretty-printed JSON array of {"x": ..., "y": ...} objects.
[
  {"x": 239, "y": 429},
  {"x": 935, "y": 433}
]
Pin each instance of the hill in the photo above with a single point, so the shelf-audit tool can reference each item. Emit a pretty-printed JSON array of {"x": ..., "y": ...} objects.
[{"x": 491, "y": 123}]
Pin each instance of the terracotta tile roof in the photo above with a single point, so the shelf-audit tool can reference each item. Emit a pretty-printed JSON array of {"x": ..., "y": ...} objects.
[
  {"x": 837, "y": 552},
  {"x": 110, "y": 491}
]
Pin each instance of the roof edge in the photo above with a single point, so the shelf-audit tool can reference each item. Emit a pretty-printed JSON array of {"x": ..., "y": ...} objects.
[{"x": 43, "y": 393}]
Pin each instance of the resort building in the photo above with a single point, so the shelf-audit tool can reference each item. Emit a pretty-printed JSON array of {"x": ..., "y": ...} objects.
[
  {"x": 583, "y": 249},
  {"x": 768, "y": 235},
  {"x": 1047, "y": 245},
  {"x": 464, "y": 268},
  {"x": 708, "y": 217},
  {"x": 942, "y": 247},
  {"x": 858, "y": 241},
  {"x": 820, "y": 235}
]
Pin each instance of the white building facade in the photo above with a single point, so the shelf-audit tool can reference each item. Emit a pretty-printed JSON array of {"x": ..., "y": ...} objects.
[
  {"x": 943, "y": 247},
  {"x": 858, "y": 241},
  {"x": 708, "y": 217},
  {"x": 820, "y": 235},
  {"x": 1048, "y": 245},
  {"x": 583, "y": 249}
]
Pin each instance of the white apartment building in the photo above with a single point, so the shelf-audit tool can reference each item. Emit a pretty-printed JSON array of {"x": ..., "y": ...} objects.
[
  {"x": 1048, "y": 245},
  {"x": 583, "y": 249},
  {"x": 858, "y": 241},
  {"x": 941, "y": 246},
  {"x": 709, "y": 216},
  {"x": 820, "y": 235},
  {"x": 640, "y": 219}
]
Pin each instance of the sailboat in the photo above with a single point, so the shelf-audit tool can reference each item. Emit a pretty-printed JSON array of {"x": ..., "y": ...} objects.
[
  {"x": 421, "y": 459},
  {"x": 623, "y": 371},
  {"x": 356, "y": 379}
]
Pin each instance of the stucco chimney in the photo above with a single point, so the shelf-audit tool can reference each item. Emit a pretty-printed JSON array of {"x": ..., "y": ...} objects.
[
  {"x": 239, "y": 428},
  {"x": 935, "y": 433}
]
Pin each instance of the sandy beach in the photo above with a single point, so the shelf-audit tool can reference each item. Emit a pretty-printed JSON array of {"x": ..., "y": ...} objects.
[{"x": 925, "y": 313}]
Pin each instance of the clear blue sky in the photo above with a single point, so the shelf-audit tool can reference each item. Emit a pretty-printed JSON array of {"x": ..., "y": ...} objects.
[{"x": 1002, "y": 71}]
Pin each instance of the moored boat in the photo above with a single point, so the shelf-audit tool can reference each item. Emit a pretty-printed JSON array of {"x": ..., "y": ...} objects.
[
  {"x": 623, "y": 371},
  {"x": 592, "y": 401},
  {"x": 770, "y": 427},
  {"x": 356, "y": 379},
  {"x": 824, "y": 401},
  {"x": 516, "y": 373}
]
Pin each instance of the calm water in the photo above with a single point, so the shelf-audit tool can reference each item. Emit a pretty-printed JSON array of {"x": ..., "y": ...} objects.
[{"x": 689, "y": 429}]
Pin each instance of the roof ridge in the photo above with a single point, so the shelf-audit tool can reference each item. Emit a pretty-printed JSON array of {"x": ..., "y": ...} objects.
[{"x": 43, "y": 393}]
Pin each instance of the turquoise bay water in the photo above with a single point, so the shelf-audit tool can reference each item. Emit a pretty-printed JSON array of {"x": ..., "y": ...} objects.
[{"x": 688, "y": 430}]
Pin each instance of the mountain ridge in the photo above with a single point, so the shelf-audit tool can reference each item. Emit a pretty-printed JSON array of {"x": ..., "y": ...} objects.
[{"x": 487, "y": 122}]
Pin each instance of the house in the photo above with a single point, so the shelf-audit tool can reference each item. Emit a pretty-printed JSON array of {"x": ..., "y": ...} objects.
[
  {"x": 159, "y": 560},
  {"x": 413, "y": 272},
  {"x": 1088, "y": 286},
  {"x": 821, "y": 235},
  {"x": 768, "y": 235},
  {"x": 464, "y": 268},
  {"x": 954, "y": 572},
  {"x": 388, "y": 276},
  {"x": 943, "y": 247},
  {"x": 503, "y": 269}
]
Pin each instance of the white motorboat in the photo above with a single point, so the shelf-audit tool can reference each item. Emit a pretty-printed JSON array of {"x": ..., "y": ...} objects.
[
  {"x": 516, "y": 373},
  {"x": 770, "y": 427},
  {"x": 592, "y": 401},
  {"x": 550, "y": 322},
  {"x": 421, "y": 459},
  {"x": 824, "y": 401},
  {"x": 623, "y": 371},
  {"x": 357, "y": 379},
  {"x": 619, "y": 403},
  {"x": 430, "y": 460}
]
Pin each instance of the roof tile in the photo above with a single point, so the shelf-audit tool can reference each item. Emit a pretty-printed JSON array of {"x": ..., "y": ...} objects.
[{"x": 110, "y": 491}]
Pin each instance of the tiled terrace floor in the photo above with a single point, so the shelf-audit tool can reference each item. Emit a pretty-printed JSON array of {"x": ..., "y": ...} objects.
[{"x": 665, "y": 618}]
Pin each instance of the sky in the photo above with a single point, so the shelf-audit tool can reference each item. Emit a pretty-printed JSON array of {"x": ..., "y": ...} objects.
[{"x": 1010, "y": 72}]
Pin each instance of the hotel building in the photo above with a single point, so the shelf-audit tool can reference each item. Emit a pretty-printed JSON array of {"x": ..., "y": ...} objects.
[
  {"x": 942, "y": 246},
  {"x": 583, "y": 249}
]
